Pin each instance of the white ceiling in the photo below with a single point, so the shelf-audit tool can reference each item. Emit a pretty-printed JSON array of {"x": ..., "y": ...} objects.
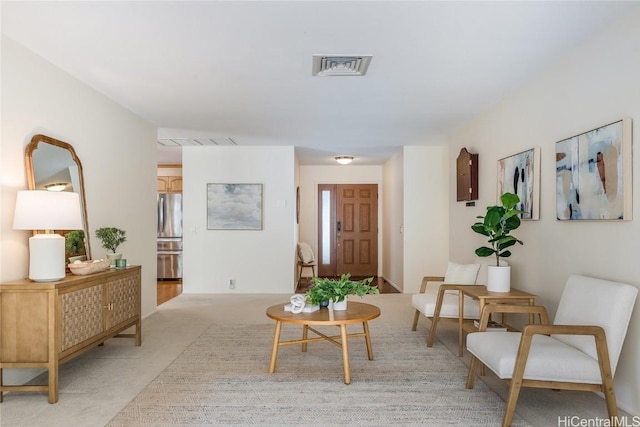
[{"x": 242, "y": 69}]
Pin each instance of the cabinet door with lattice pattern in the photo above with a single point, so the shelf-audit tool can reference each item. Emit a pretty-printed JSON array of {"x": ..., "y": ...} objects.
[
  {"x": 124, "y": 300},
  {"x": 82, "y": 315}
]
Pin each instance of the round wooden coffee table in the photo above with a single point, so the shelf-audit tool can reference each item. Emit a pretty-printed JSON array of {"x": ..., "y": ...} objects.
[{"x": 356, "y": 312}]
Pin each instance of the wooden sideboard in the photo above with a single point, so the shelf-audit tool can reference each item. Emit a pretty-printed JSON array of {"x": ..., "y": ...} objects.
[{"x": 44, "y": 324}]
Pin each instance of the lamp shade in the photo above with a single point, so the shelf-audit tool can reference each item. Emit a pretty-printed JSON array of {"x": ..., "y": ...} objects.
[{"x": 47, "y": 210}]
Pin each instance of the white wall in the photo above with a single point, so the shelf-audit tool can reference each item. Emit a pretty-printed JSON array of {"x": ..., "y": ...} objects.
[
  {"x": 311, "y": 176},
  {"x": 426, "y": 214},
  {"x": 594, "y": 86},
  {"x": 117, "y": 150},
  {"x": 259, "y": 261},
  {"x": 393, "y": 221}
]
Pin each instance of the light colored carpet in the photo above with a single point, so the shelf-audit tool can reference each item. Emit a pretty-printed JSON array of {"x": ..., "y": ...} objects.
[{"x": 222, "y": 379}]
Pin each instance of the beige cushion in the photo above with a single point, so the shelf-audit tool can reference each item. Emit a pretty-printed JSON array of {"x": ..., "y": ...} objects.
[
  {"x": 461, "y": 274},
  {"x": 426, "y": 303},
  {"x": 549, "y": 358},
  {"x": 305, "y": 253}
]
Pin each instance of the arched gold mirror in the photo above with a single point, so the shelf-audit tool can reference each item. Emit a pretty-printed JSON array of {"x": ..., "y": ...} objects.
[{"x": 53, "y": 165}]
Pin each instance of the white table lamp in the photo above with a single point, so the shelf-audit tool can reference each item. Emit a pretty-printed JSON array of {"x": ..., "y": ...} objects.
[{"x": 46, "y": 210}]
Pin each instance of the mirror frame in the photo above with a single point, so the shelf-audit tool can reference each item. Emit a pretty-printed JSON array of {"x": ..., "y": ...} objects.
[{"x": 31, "y": 180}]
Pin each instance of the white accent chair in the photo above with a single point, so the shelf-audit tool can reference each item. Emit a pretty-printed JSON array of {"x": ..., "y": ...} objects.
[
  {"x": 426, "y": 301},
  {"x": 579, "y": 351}
]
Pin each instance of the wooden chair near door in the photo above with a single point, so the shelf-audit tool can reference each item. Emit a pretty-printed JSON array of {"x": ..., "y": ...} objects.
[{"x": 306, "y": 259}]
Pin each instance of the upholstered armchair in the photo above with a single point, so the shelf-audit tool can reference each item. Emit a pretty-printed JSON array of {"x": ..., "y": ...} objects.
[
  {"x": 429, "y": 298},
  {"x": 579, "y": 351}
]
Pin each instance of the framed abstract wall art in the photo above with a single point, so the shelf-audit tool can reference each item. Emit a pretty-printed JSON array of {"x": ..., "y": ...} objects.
[
  {"x": 234, "y": 206},
  {"x": 593, "y": 174},
  {"x": 520, "y": 174}
]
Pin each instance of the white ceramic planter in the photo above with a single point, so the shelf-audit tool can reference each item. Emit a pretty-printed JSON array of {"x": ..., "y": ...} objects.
[
  {"x": 340, "y": 306},
  {"x": 498, "y": 278},
  {"x": 113, "y": 257}
]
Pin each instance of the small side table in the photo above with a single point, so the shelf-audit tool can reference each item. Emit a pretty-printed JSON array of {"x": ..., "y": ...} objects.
[
  {"x": 479, "y": 293},
  {"x": 483, "y": 296}
]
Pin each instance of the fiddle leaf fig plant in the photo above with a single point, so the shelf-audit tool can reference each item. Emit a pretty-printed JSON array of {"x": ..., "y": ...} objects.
[
  {"x": 111, "y": 237},
  {"x": 497, "y": 225},
  {"x": 326, "y": 289}
]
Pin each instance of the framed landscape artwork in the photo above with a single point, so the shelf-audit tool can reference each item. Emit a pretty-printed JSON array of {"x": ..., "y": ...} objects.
[
  {"x": 520, "y": 174},
  {"x": 593, "y": 174},
  {"x": 234, "y": 206}
]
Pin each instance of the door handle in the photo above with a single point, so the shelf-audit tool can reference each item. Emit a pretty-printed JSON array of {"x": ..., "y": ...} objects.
[{"x": 339, "y": 226}]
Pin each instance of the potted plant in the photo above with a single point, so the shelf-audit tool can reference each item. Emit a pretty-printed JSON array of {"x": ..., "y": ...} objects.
[
  {"x": 497, "y": 225},
  {"x": 336, "y": 290},
  {"x": 111, "y": 238},
  {"x": 74, "y": 244}
]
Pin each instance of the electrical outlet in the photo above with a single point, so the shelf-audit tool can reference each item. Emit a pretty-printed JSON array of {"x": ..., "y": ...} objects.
[{"x": 232, "y": 283}]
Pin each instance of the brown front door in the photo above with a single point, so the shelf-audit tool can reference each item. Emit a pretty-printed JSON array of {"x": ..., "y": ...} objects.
[{"x": 348, "y": 229}]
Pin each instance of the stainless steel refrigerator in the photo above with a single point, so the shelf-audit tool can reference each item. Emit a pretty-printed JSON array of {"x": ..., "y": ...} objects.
[{"x": 169, "y": 236}]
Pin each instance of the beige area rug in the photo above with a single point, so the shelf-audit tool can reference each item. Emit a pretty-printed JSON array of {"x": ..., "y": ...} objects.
[{"x": 223, "y": 379}]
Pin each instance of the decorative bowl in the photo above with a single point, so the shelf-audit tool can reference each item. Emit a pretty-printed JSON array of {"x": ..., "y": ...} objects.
[{"x": 89, "y": 267}]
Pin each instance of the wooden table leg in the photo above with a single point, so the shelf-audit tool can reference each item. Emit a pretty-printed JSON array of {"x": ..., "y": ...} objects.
[
  {"x": 345, "y": 354},
  {"x": 305, "y": 334},
  {"x": 139, "y": 333},
  {"x": 532, "y": 317},
  {"x": 367, "y": 338},
  {"x": 274, "y": 351},
  {"x": 53, "y": 383},
  {"x": 460, "y": 323}
]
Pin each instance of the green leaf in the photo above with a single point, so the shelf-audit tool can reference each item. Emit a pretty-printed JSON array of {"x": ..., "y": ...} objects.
[
  {"x": 509, "y": 200},
  {"x": 479, "y": 227},
  {"x": 505, "y": 254},
  {"x": 484, "y": 251}
]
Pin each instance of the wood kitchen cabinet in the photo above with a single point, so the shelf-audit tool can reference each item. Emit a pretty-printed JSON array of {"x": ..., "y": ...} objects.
[
  {"x": 169, "y": 184},
  {"x": 44, "y": 324}
]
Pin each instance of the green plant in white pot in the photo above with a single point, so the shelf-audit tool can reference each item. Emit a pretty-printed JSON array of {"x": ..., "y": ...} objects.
[
  {"x": 111, "y": 238},
  {"x": 336, "y": 290},
  {"x": 497, "y": 225}
]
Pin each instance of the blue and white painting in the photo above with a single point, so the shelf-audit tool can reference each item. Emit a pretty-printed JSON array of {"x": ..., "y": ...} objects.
[
  {"x": 590, "y": 175},
  {"x": 234, "y": 206},
  {"x": 520, "y": 174}
]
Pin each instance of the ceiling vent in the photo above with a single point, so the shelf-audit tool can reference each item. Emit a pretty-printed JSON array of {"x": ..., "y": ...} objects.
[
  {"x": 195, "y": 142},
  {"x": 341, "y": 65}
]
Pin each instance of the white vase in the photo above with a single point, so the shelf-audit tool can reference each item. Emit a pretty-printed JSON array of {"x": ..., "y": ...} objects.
[
  {"x": 340, "y": 306},
  {"x": 113, "y": 257},
  {"x": 498, "y": 278}
]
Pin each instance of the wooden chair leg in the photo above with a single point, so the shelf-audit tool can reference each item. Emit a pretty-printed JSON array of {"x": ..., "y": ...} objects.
[
  {"x": 512, "y": 401},
  {"x": 416, "y": 317},
  {"x": 516, "y": 379},
  {"x": 435, "y": 318},
  {"x": 610, "y": 398},
  {"x": 473, "y": 367},
  {"x": 605, "y": 374}
]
